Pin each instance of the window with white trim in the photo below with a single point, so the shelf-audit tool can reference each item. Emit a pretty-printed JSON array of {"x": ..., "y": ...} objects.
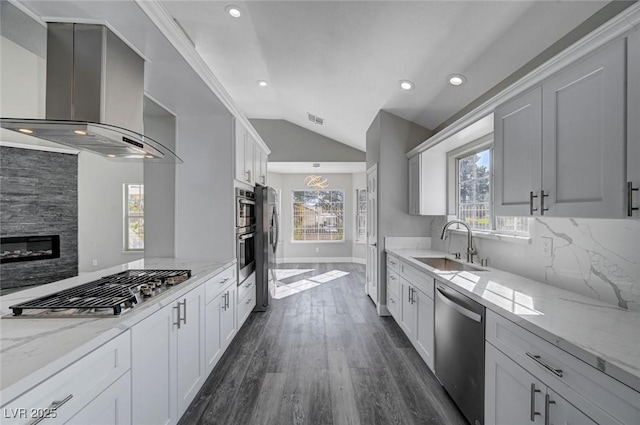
[
  {"x": 133, "y": 217},
  {"x": 473, "y": 193},
  {"x": 361, "y": 215},
  {"x": 318, "y": 215}
]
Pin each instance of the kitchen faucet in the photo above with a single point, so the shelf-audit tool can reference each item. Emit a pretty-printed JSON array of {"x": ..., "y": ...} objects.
[{"x": 471, "y": 251}]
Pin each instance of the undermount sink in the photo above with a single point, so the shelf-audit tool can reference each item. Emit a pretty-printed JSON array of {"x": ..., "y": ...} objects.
[{"x": 445, "y": 264}]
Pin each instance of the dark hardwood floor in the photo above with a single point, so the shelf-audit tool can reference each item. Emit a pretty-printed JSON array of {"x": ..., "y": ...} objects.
[{"x": 321, "y": 355}]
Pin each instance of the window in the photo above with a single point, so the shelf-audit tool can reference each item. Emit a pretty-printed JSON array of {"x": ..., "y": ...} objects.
[
  {"x": 318, "y": 215},
  {"x": 361, "y": 215},
  {"x": 134, "y": 217},
  {"x": 473, "y": 191}
]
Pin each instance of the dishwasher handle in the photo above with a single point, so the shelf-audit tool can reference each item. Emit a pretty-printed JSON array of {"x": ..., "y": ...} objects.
[{"x": 460, "y": 309}]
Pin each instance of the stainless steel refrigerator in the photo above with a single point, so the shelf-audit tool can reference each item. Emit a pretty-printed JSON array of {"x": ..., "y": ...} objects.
[{"x": 266, "y": 245}]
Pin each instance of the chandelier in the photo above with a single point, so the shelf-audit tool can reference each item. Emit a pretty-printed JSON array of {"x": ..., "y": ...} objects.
[{"x": 318, "y": 182}]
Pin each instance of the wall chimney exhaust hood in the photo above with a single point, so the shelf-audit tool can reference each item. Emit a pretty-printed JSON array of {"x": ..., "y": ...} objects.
[{"x": 94, "y": 96}]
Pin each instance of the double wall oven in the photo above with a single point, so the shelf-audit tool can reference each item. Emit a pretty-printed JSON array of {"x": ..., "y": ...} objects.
[{"x": 245, "y": 232}]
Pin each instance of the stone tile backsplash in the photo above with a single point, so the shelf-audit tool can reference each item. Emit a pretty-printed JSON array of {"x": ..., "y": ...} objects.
[{"x": 599, "y": 258}]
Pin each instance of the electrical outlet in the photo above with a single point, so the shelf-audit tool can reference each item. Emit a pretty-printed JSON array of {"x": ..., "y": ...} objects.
[
  {"x": 547, "y": 247},
  {"x": 94, "y": 262},
  {"x": 317, "y": 250}
]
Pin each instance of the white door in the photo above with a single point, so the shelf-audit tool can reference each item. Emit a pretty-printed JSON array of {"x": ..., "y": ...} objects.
[
  {"x": 424, "y": 326},
  {"x": 371, "y": 286},
  {"x": 414, "y": 185},
  {"x": 110, "y": 407},
  {"x": 583, "y": 151},
  {"x": 512, "y": 395},
  {"x": 407, "y": 308},
  {"x": 212, "y": 324},
  {"x": 633, "y": 123},
  {"x": 561, "y": 412}
]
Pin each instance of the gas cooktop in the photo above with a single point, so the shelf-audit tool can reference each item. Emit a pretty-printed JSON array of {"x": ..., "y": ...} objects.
[{"x": 109, "y": 295}]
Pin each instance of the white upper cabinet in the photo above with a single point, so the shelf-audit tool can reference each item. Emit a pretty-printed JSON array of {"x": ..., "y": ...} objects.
[
  {"x": 560, "y": 147},
  {"x": 240, "y": 141},
  {"x": 427, "y": 183},
  {"x": 518, "y": 153},
  {"x": 633, "y": 125},
  {"x": 583, "y": 148},
  {"x": 250, "y": 158}
]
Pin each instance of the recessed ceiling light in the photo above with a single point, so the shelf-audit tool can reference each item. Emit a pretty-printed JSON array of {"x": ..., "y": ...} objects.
[
  {"x": 233, "y": 11},
  {"x": 456, "y": 79},
  {"x": 25, "y": 131},
  {"x": 111, "y": 155},
  {"x": 148, "y": 156},
  {"x": 80, "y": 132},
  {"x": 406, "y": 85},
  {"x": 262, "y": 83}
]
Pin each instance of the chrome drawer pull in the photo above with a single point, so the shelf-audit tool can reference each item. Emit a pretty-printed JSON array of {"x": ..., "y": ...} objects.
[
  {"x": 224, "y": 280},
  {"x": 531, "y": 196},
  {"x": 538, "y": 359},
  {"x": 533, "y": 402},
  {"x": 54, "y": 406},
  {"x": 542, "y": 208},
  {"x": 630, "y": 207}
]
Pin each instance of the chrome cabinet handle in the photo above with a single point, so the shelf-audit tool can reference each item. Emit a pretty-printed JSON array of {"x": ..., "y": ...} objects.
[
  {"x": 630, "y": 207},
  {"x": 392, "y": 277},
  {"x": 53, "y": 407},
  {"x": 531, "y": 197},
  {"x": 542, "y": 208},
  {"x": 249, "y": 301},
  {"x": 184, "y": 304},
  {"x": 392, "y": 262},
  {"x": 249, "y": 175},
  {"x": 227, "y": 299},
  {"x": 533, "y": 402},
  {"x": 538, "y": 359},
  {"x": 224, "y": 302},
  {"x": 177, "y": 307},
  {"x": 547, "y": 403},
  {"x": 224, "y": 280}
]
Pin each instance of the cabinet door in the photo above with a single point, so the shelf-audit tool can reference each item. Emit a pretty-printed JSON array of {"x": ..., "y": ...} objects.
[
  {"x": 517, "y": 153},
  {"x": 407, "y": 309},
  {"x": 190, "y": 348},
  {"x": 249, "y": 158},
  {"x": 512, "y": 395},
  {"x": 212, "y": 323},
  {"x": 110, "y": 407},
  {"x": 153, "y": 347},
  {"x": 240, "y": 141},
  {"x": 583, "y": 167},
  {"x": 633, "y": 123},
  {"x": 561, "y": 412},
  {"x": 414, "y": 185},
  {"x": 228, "y": 317},
  {"x": 261, "y": 166},
  {"x": 424, "y": 327},
  {"x": 393, "y": 305}
]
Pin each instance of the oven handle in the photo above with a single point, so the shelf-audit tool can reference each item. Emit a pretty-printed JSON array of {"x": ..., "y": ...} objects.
[
  {"x": 246, "y": 236},
  {"x": 465, "y": 312},
  {"x": 246, "y": 201}
]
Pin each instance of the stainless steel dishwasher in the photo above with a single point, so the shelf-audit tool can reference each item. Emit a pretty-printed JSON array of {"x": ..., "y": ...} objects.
[{"x": 459, "y": 350}]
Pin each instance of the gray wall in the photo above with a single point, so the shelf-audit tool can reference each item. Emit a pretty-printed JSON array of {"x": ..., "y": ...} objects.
[
  {"x": 159, "y": 186},
  {"x": 39, "y": 196},
  {"x": 388, "y": 139},
  {"x": 306, "y": 251},
  {"x": 291, "y": 143},
  {"x": 205, "y": 198}
]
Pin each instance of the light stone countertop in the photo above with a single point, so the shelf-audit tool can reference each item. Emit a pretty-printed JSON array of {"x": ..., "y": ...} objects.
[
  {"x": 604, "y": 336},
  {"x": 32, "y": 349}
]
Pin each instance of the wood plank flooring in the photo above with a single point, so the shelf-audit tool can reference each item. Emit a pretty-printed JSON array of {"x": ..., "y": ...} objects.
[{"x": 321, "y": 356}]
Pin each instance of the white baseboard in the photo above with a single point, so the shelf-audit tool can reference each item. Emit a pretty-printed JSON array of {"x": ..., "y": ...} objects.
[{"x": 290, "y": 260}]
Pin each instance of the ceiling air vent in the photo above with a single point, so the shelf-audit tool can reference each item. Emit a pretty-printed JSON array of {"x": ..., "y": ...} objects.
[{"x": 315, "y": 119}]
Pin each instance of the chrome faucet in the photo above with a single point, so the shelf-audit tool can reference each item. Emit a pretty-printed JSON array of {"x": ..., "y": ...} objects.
[{"x": 471, "y": 251}]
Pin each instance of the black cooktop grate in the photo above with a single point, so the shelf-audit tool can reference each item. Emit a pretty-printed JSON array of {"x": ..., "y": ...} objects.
[{"x": 118, "y": 291}]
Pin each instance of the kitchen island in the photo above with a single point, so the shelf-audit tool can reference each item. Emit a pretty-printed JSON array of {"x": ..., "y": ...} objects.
[{"x": 35, "y": 348}]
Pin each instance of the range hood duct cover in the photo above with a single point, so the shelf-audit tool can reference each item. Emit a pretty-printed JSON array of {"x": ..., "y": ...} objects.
[{"x": 94, "y": 97}]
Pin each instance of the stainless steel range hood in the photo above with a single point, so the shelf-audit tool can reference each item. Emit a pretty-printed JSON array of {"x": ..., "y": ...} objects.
[{"x": 95, "y": 96}]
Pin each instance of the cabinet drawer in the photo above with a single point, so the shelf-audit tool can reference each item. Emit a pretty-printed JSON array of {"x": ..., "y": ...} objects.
[
  {"x": 245, "y": 305},
  {"x": 248, "y": 286},
  {"x": 598, "y": 395},
  {"x": 419, "y": 279},
  {"x": 393, "y": 263},
  {"x": 73, "y": 387},
  {"x": 215, "y": 285},
  {"x": 393, "y": 283}
]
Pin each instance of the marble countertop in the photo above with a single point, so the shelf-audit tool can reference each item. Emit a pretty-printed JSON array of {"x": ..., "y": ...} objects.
[
  {"x": 32, "y": 349},
  {"x": 604, "y": 336}
]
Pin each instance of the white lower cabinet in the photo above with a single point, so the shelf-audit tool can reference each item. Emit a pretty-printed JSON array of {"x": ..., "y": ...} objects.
[
  {"x": 168, "y": 366},
  {"x": 424, "y": 322},
  {"x": 530, "y": 381},
  {"x": 407, "y": 309},
  {"x": 246, "y": 299},
  {"x": 111, "y": 407},
  {"x": 513, "y": 396},
  {"x": 220, "y": 318}
]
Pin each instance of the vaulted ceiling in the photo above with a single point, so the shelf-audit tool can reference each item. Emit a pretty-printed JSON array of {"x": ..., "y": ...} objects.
[{"x": 342, "y": 60}]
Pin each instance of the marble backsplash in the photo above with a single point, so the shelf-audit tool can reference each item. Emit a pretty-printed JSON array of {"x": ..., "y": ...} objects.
[{"x": 599, "y": 258}]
